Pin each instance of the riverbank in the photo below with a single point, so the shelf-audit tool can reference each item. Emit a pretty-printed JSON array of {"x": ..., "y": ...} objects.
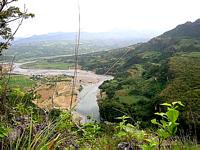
[{"x": 59, "y": 95}]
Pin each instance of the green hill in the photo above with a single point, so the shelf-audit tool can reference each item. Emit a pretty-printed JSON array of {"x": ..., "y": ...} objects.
[{"x": 164, "y": 69}]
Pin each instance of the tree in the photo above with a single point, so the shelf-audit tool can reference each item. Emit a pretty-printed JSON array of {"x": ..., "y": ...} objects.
[{"x": 10, "y": 14}]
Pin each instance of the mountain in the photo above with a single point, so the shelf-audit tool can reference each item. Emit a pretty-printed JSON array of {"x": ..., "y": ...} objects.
[
  {"x": 55, "y": 44},
  {"x": 183, "y": 38},
  {"x": 185, "y": 35},
  {"x": 186, "y": 30},
  {"x": 71, "y": 36},
  {"x": 164, "y": 69}
]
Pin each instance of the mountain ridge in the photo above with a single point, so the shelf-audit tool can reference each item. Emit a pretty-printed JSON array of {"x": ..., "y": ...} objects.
[
  {"x": 187, "y": 30},
  {"x": 164, "y": 69},
  {"x": 59, "y": 36},
  {"x": 63, "y": 43}
]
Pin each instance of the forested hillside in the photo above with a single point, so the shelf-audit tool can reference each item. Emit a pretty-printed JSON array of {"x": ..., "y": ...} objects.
[
  {"x": 165, "y": 69},
  {"x": 49, "y": 92}
]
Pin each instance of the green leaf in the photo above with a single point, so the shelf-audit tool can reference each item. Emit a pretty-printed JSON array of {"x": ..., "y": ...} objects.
[
  {"x": 154, "y": 121},
  {"x": 121, "y": 134},
  {"x": 123, "y": 117},
  {"x": 164, "y": 123},
  {"x": 172, "y": 128},
  {"x": 3, "y": 131},
  {"x": 162, "y": 133},
  {"x": 160, "y": 114},
  {"x": 172, "y": 115},
  {"x": 130, "y": 128},
  {"x": 166, "y": 104},
  {"x": 178, "y": 102}
]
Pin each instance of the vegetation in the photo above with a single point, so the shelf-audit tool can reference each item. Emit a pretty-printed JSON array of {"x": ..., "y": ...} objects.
[
  {"x": 22, "y": 82},
  {"x": 58, "y": 44},
  {"x": 9, "y": 14},
  {"x": 163, "y": 71},
  {"x": 34, "y": 129},
  {"x": 99, "y": 62},
  {"x": 48, "y": 64}
]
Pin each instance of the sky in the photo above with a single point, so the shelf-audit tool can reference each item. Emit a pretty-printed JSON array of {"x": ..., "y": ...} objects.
[{"x": 107, "y": 15}]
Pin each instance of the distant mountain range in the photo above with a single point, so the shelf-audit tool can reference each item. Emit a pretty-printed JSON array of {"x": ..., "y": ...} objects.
[
  {"x": 54, "y": 44},
  {"x": 87, "y": 36}
]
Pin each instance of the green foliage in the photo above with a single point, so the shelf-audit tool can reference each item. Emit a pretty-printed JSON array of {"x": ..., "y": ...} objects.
[
  {"x": 152, "y": 144},
  {"x": 54, "y": 114},
  {"x": 22, "y": 82},
  {"x": 133, "y": 96},
  {"x": 170, "y": 72},
  {"x": 65, "y": 122},
  {"x": 3, "y": 131},
  {"x": 164, "y": 69},
  {"x": 167, "y": 126},
  {"x": 185, "y": 85},
  {"x": 10, "y": 14},
  {"x": 58, "y": 48},
  {"x": 63, "y": 132},
  {"x": 19, "y": 102},
  {"x": 43, "y": 64},
  {"x": 130, "y": 132},
  {"x": 90, "y": 131},
  {"x": 187, "y": 30},
  {"x": 21, "y": 109}
]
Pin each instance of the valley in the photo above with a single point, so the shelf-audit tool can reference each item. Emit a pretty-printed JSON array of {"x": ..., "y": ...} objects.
[
  {"x": 144, "y": 76},
  {"x": 58, "y": 44},
  {"x": 54, "y": 88},
  {"x": 99, "y": 75},
  {"x": 164, "y": 69},
  {"x": 125, "y": 89}
]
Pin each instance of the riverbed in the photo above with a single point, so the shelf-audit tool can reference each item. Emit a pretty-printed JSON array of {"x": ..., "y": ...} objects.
[{"x": 86, "y": 99}]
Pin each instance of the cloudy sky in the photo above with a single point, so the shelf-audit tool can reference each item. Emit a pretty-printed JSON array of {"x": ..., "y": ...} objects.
[{"x": 107, "y": 15}]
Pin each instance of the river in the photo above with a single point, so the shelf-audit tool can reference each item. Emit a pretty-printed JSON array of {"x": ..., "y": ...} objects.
[
  {"x": 87, "y": 104},
  {"x": 87, "y": 98}
]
